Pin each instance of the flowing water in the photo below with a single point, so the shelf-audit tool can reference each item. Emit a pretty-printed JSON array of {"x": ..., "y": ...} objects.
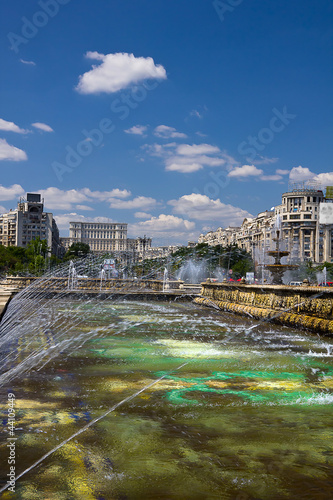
[{"x": 166, "y": 401}]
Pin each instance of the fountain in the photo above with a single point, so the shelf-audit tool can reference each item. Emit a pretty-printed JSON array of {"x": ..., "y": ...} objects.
[
  {"x": 103, "y": 277},
  {"x": 277, "y": 269},
  {"x": 72, "y": 276},
  {"x": 165, "y": 280},
  {"x": 193, "y": 271},
  {"x": 107, "y": 389}
]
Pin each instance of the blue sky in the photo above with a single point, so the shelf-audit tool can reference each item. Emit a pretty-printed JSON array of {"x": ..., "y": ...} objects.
[{"x": 175, "y": 116}]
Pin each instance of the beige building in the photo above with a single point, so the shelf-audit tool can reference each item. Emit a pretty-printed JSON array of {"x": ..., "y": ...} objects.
[
  {"x": 297, "y": 218},
  {"x": 102, "y": 237},
  {"x": 28, "y": 222}
]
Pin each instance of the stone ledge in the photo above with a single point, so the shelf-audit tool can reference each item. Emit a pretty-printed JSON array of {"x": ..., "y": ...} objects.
[{"x": 290, "y": 318}]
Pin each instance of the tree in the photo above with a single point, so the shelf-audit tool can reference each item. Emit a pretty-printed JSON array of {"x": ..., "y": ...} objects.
[{"x": 77, "y": 250}]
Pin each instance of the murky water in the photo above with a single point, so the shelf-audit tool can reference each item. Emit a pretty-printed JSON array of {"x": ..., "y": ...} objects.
[{"x": 228, "y": 411}]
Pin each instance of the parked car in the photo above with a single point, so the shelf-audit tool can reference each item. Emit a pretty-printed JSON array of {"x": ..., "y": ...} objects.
[{"x": 295, "y": 283}]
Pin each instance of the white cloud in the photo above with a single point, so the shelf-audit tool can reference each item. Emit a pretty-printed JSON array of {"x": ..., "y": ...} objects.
[
  {"x": 282, "y": 172},
  {"x": 166, "y": 132},
  {"x": 117, "y": 72},
  {"x": 187, "y": 158},
  {"x": 11, "y": 193},
  {"x": 142, "y": 202},
  {"x": 197, "y": 149},
  {"x": 159, "y": 150},
  {"x": 84, "y": 207},
  {"x": 43, "y": 127},
  {"x": 164, "y": 226},
  {"x": 325, "y": 179},
  {"x": 3, "y": 210},
  {"x": 106, "y": 195},
  {"x": 56, "y": 198},
  {"x": 63, "y": 220},
  {"x": 137, "y": 130},
  {"x": 190, "y": 158},
  {"x": 11, "y": 127},
  {"x": 245, "y": 171},
  {"x": 195, "y": 113},
  {"x": 9, "y": 152},
  {"x": 304, "y": 174},
  {"x": 271, "y": 177},
  {"x": 31, "y": 63},
  {"x": 142, "y": 215},
  {"x": 263, "y": 160},
  {"x": 179, "y": 165},
  {"x": 201, "y": 207},
  {"x": 299, "y": 174}
]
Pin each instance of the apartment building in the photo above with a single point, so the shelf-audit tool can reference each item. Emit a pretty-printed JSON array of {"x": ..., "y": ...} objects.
[
  {"x": 297, "y": 218},
  {"x": 28, "y": 222}
]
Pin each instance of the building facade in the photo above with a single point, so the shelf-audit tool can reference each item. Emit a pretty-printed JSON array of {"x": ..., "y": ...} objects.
[
  {"x": 29, "y": 222},
  {"x": 102, "y": 237},
  {"x": 297, "y": 219}
]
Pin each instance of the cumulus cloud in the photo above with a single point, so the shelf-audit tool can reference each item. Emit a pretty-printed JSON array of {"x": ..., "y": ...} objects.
[
  {"x": 201, "y": 207},
  {"x": 42, "y": 126},
  {"x": 187, "y": 158},
  {"x": 11, "y": 153},
  {"x": 166, "y": 132},
  {"x": 137, "y": 130},
  {"x": 167, "y": 227},
  {"x": 142, "y": 202},
  {"x": 56, "y": 198},
  {"x": 299, "y": 174},
  {"x": 304, "y": 174},
  {"x": 245, "y": 171},
  {"x": 11, "y": 193},
  {"x": 117, "y": 71},
  {"x": 325, "y": 179},
  {"x": 11, "y": 127}
]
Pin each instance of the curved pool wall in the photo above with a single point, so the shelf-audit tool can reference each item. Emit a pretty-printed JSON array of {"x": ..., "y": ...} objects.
[{"x": 308, "y": 307}]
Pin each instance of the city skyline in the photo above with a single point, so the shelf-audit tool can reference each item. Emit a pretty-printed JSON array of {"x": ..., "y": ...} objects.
[{"x": 174, "y": 118}]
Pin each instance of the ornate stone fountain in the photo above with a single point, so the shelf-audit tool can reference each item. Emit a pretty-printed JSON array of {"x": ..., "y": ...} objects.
[{"x": 277, "y": 269}]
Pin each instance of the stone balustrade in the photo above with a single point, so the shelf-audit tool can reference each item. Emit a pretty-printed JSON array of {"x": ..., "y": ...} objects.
[{"x": 59, "y": 283}]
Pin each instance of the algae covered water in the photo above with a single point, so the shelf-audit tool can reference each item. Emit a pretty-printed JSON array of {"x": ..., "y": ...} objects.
[{"x": 168, "y": 401}]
